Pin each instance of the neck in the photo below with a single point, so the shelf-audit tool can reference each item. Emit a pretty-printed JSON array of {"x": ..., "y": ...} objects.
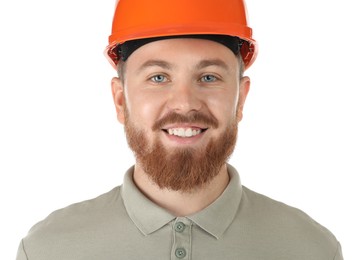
[{"x": 182, "y": 203}]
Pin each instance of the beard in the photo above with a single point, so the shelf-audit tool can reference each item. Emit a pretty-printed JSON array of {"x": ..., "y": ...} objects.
[{"x": 181, "y": 169}]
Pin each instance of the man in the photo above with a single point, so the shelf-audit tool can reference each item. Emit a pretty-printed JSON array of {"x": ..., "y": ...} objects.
[{"x": 180, "y": 95}]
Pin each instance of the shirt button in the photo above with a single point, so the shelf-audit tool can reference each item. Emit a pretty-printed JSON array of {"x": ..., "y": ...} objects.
[
  {"x": 179, "y": 227},
  {"x": 180, "y": 253}
]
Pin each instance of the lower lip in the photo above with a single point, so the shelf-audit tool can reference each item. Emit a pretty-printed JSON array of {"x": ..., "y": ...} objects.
[{"x": 184, "y": 140}]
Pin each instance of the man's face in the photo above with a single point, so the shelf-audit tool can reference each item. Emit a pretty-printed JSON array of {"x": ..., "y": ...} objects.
[{"x": 181, "y": 101}]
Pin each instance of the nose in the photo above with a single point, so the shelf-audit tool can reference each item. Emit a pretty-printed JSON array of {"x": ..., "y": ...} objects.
[{"x": 184, "y": 98}]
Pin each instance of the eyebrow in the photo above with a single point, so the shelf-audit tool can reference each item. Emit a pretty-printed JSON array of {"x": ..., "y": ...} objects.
[
  {"x": 212, "y": 62},
  {"x": 168, "y": 66},
  {"x": 153, "y": 63}
]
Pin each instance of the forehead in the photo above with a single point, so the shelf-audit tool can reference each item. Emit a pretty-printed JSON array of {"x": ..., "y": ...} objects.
[{"x": 183, "y": 51}]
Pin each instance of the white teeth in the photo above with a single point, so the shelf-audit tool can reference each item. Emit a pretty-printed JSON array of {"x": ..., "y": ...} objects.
[
  {"x": 184, "y": 132},
  {"x": 188, "y": 132},
  {"x": 181, "y": 132}
]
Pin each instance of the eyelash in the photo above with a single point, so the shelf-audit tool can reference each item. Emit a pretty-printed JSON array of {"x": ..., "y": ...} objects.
[
  {"x": 159, "y": 75},
  {"x": 202, "y": 78},
  {"x": 214, "y": 78}
]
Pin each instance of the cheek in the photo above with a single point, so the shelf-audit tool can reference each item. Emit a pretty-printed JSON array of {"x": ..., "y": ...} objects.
[
  {"x": 224, "y": 106},
  {"x": 143, "y": 108}
]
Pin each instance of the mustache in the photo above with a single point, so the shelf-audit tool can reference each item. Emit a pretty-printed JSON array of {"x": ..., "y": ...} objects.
[{"x": 194, "y": 117}]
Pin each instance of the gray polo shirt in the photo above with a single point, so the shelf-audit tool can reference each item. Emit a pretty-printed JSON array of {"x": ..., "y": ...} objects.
[{"x": 124, "y": 224}]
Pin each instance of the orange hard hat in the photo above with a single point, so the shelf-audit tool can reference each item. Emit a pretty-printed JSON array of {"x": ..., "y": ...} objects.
[{"x": 142, "y": 19}]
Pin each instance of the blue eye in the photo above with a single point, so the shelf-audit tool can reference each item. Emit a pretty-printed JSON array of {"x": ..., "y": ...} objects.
[
  {"x": 158, "y": 78},
  {"x": 208, "y": 78}
]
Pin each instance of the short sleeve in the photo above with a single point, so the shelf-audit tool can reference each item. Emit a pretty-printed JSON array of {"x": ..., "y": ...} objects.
[{"x": 21, "y": 255}]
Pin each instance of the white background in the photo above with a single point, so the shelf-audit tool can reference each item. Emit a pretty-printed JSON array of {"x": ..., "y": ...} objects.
[{"x": 60, "y": 142}]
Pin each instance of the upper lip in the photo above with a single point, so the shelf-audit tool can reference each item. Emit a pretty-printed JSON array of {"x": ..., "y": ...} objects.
[{"x": 192, "y": 126}]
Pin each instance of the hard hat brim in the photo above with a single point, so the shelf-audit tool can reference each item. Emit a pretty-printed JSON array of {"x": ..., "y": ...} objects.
[{"x": 243, "y": 32}]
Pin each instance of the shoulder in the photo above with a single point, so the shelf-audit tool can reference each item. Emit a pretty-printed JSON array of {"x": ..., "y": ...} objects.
[
  {"x": 287, "y": 225},
  {"x": 77, "y": 221},
  {"x": 277, "y": 211},
  {"x": 82, "y": 211}
]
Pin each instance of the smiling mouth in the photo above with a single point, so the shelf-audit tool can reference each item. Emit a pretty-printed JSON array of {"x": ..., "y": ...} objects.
[{"x": 184, "y": 132}]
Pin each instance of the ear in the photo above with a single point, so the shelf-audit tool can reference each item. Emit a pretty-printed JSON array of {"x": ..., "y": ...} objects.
[
  {"x": 243, "y": 92},
  {"x": 118, "y": 98}
]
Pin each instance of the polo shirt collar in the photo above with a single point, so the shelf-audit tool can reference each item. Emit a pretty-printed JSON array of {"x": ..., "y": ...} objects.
[
  {"x": 149, "y": 217},
  {"x": 216, "y": 218}
]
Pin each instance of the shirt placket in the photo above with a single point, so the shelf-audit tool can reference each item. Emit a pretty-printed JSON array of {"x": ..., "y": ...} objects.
[{"x": 182, "y": 242}]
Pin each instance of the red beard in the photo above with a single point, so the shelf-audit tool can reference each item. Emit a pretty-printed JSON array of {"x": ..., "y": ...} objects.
[{"x": 181, "y": 169}]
